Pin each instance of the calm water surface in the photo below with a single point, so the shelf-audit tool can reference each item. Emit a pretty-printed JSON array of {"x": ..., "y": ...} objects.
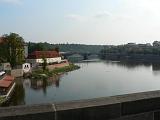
[{"x": 94, "y": 79}]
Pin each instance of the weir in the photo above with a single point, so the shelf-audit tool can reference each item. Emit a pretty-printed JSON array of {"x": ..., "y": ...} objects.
[{"x": 136, "y": 106}]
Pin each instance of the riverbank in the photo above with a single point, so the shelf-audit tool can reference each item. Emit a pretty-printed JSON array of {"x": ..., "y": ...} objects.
[
  {"x": 39, "y": 73},
  {"x": 132, "y": 57},
  {"x": 62, "y": 70}
]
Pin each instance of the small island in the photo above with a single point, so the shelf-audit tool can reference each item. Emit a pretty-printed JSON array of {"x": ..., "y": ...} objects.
[{"x": 40, "y": 73}]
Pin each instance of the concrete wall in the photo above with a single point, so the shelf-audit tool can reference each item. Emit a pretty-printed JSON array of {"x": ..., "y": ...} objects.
[
  {"x": 138, "y": 106},
  {"x": 17, "y": 72}
]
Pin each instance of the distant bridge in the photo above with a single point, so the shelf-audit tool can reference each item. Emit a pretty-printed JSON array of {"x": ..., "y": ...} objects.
[{"x": 85, "y": 55}]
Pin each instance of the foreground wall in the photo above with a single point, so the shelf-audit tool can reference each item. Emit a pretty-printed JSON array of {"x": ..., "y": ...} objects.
[{"x": 139, "y": 106}]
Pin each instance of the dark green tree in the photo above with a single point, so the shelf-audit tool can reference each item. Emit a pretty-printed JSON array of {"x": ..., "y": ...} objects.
[
  {"x": 56, "y": 49},
  {"x": 13, "y": 49}
]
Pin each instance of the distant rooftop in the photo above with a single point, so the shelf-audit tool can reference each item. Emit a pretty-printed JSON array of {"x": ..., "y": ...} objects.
[{"x": 46, "y": 54}]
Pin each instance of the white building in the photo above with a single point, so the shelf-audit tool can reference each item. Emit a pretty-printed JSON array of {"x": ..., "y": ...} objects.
[{"x": 50, "y": 56}]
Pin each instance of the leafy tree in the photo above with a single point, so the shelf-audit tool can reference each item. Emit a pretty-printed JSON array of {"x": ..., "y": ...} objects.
[
  {"x": 37, "y": 47},
  {"x": 44, "y": 64},
  {"x": 13, "y": 49}
]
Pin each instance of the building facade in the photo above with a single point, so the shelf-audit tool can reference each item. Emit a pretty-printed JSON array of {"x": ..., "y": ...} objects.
[{"x": 37, "y": 57}]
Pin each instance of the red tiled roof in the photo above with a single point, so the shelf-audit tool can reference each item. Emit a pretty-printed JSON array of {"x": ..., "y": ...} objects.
[
  {"x": 46, "y": 54},
  {"x": 5, "y": 84},
  {"x": 8, "y": 78}
]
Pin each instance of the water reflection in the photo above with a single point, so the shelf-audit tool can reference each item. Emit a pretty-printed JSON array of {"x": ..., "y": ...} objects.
[
  {"x": 18, "y": 97},
  {"x": 94, "y": 79},
  {"x": 132, "y": 65},
  {"x": 42, "y": 84},
  {"x": 156, "y": 68},
  {"x": 129, "y": 64}
]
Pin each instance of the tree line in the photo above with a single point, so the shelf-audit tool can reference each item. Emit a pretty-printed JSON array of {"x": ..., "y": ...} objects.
[
  {"x": 79, "y": 48},
  {"x": 130, "y": 49}
]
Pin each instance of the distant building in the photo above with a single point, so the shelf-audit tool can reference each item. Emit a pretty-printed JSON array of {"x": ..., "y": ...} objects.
[
  {"x": 144, "y": 45},
  {"x": 51, "y": 57},
  {"x": 156, "y": 43},
  {"x": 6, "y": 66},
  {"x": 75, "y": 58},
  {"x": 93, "y": 56},
  {"x": 131, "y": 44},
  {"x": 148, "y": 44}
]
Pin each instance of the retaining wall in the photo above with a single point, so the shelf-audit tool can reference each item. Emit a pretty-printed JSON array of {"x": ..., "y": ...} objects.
[
  {"x": 138, "y": 106},
  {"x": 17, "y": 72}
]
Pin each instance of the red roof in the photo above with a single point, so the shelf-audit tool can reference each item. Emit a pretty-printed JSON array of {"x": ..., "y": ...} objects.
[
  {"x": 8, "y": 78},
  {"x": 46, "y": 54},
  {"x": 5, "y": 84}
]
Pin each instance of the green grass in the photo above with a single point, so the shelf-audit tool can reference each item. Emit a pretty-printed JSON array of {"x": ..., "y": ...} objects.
[
  {"x": 39, "y": 73},
  {"x": 69, "y": 68}
]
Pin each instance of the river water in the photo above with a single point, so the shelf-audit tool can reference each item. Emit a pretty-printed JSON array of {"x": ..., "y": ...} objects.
[{"x": 92, "y": 80}]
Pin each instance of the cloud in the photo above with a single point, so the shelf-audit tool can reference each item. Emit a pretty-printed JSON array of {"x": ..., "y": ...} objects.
[
  {"x": 82, "y": 18},
  {"x": 103, "y": 14},
  {"x": 12, "y": 1},
  {"x": 76, "y": 17}
]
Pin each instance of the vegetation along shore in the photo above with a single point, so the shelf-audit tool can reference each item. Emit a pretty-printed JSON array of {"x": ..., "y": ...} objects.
[{"x": 40, "y": 73}]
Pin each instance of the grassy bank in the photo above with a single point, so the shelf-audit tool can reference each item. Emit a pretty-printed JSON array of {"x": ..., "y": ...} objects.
[
  {"x": 69, "y": 68},
  {"x": 40, "y": 74}
]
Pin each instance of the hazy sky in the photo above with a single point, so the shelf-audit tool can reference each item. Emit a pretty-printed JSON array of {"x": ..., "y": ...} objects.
[{"x": 82, "y": 21}]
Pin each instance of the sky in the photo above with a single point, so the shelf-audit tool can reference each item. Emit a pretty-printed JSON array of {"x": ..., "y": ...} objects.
[{"x": 82, "y": 21}]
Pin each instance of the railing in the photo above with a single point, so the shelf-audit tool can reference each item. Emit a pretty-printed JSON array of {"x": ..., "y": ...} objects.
[{"x": 137, "y": 106}]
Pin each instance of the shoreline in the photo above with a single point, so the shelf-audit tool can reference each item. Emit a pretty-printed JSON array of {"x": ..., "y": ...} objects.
[{"x": 61, "y": 69}]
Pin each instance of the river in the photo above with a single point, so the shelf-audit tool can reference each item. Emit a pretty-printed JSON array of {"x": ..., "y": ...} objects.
[{"x": 92, "y": 80}]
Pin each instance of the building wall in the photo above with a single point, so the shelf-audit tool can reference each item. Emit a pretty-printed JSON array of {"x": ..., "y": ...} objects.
[
  {"x": 49, "y": 60},
  {"x": 32, "y": 61}
]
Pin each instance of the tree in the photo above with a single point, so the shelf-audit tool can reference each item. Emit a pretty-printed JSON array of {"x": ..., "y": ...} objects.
[
  {"x": 44, "y": 64},
  {"x": 13, "y": 49},
  {"x": 56, "y": 49},
  {"x": 38, "y": 47}
]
